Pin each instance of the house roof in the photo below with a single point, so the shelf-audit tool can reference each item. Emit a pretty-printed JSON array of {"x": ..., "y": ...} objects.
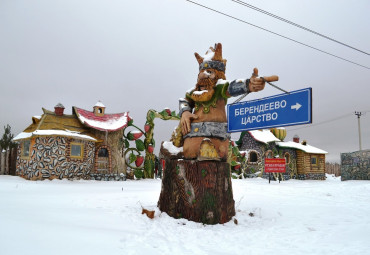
[
  {"x": 51, "y": 124},
  {"x": 107, "y": 122},
  {"x": 306, "y": 148},
  {"x": 264, "y": 136},
  {"x": 99, "y": 104}
]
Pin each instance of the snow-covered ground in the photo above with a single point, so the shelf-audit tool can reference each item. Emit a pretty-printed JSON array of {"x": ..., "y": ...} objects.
[{"x": 92, "y": 217}]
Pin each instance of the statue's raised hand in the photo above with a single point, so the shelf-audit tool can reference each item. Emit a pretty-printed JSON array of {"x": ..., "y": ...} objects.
[{"x": 257, "y": 84}]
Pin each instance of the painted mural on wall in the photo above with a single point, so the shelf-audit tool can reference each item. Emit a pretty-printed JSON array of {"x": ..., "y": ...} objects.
[
  {"x": 49, "y": 159},
  {"x": 355, "y": 165}
]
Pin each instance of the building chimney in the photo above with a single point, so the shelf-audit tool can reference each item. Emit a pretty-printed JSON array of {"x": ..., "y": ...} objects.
[
  {"x": 99, "y": 109},
  {"x": 296, "y": 139},
  {"x": 59, "y": 109}
]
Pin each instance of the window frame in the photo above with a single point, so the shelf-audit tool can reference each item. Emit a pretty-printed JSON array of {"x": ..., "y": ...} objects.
[
  {"x": 269, "y": 152},
  {"x": 81, "y": 151},
  {"x": 316, "y": 161},
  {"x": 249, "y": 157},
  {"x": 289, "y": 157},
  {"x": 106, "y": 151},
  {"x": 23, "y": 149}
]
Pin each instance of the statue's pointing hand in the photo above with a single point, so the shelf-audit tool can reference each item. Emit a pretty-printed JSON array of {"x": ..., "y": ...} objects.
[
  {"x": 257, "y": 84},
  {"x": 185, "y": 121}
]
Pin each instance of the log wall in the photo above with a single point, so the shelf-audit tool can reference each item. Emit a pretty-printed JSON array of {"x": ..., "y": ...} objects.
[{"x": 307, "y": 170}]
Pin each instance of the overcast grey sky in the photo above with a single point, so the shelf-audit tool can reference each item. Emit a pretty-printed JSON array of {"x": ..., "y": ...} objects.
[{"x": 138, "y": 55}]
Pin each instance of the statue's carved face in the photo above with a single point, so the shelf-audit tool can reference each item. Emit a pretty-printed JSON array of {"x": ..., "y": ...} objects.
[
  {"x": 207, "y": 80},
  {"x": 204, "y": 89}
]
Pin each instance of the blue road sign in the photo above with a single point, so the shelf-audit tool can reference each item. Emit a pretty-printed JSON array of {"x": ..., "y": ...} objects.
[{"x": 280, "y": 110}]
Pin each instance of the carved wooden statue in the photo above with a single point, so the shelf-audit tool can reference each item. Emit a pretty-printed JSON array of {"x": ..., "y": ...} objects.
[{"x": 198, "y": 186}]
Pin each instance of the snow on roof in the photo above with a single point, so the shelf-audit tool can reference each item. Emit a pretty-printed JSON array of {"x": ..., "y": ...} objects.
[
  {"x": 59, "y": 105},
  {"x": 99, "y": 104},
  {"x": 264, "y": 136},
  {"x": 37, "y": 117},
  {"x": 25, "y": 135},
  {"x": 306, "y": 148},
  {"x": 108, "y": 122}
]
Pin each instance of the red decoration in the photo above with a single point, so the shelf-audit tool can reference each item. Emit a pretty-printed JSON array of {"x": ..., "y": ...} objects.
[
  {"x": 137, "y": 135},
  {"x": 150, "y": 148},
  {"x": 163, "y": 164},
  {"x": 168, "y": 111},
  {"x": 139, "y": 160}
]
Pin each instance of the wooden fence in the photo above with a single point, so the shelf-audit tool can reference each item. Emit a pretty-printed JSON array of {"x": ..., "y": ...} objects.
[
  {"x": 333, "y": 168},
  {"x": 8, "y": 160}
]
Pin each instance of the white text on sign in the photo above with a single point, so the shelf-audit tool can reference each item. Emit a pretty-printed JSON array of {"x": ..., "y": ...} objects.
[{"x": 260, "y": 109}]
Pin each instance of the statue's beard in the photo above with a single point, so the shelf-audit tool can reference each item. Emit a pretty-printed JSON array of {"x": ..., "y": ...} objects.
[{"x": 204, "y": 90}]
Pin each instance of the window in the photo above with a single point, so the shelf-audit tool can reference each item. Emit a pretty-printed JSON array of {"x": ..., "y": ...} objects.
[
  {"x": 76, "y": 150},
  {"x": 253, "y": 157},
  {"x": 269, "y": 154},
  {"x": 287, "y": 157},
  {"x": 313, "y": 160},
  {"x": 103, "y": 152},
  {"x": 26, "y": 148}
]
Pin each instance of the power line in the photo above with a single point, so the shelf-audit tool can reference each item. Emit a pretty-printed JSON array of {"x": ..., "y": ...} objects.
[
  {"x": 327, "y": 121},
  {"x": 323, "y": 122},
  {"x": 285, "y": 37},
  {"x": 295, "y": 24}
]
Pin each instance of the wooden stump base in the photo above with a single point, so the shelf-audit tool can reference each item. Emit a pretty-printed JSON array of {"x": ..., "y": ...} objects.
[{"x": 199, "y": 191}]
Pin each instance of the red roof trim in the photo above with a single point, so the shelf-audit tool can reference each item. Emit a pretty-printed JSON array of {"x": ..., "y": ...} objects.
[{"x": 117, "y": 120}]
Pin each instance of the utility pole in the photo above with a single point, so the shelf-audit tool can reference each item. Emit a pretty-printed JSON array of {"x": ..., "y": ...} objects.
[{"x": 359, "y": 127}]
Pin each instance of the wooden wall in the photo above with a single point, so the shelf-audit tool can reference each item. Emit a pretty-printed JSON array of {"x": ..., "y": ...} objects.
[
  {"x": 8, "y": 161},
  {"x": 332, "y": 168},
  {"x": 304, "y": 165}
]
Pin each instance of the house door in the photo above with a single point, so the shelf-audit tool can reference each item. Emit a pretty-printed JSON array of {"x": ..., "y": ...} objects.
[{"x": 103, "y": 161}]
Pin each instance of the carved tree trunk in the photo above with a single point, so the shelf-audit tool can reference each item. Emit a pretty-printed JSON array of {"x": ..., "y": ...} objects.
[{"x": 199, "y": 191}]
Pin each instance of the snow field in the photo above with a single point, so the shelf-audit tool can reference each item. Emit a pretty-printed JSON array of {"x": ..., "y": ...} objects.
[{"x": 92, "y": 217}]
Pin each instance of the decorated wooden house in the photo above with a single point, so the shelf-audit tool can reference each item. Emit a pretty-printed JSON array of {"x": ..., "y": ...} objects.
[
  {"x": 85, "y": 144},
  {"x": 302, "y": 161}
]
